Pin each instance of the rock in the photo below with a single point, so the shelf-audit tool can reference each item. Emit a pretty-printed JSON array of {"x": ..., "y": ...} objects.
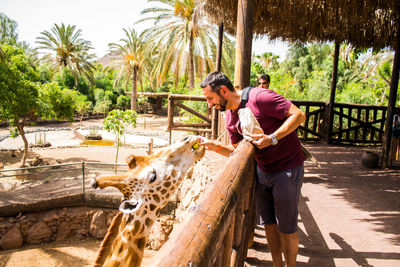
[
  {"x": 39, "y": 233},
  {"x": 37, "y": 162},
  {"x": 98, "y": 225},
  {"x": 63, "y": 232},
  {"x": 12, "y": 239},
  {"x": 157, "y": 236}
]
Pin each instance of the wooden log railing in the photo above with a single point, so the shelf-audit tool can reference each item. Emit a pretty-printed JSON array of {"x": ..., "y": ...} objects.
[{"x": 218, "y": 230}]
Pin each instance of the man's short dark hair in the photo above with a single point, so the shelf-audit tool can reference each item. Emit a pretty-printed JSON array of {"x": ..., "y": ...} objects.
[
  {"x": 215, "y": 80},
  {"x": 265, "y": 77}
]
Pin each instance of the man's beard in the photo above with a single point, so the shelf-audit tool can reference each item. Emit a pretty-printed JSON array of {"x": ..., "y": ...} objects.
[{"x": 222, "y": 103}]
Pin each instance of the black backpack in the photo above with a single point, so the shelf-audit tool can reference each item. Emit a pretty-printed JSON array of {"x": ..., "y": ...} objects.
[{"x": 245, "y": 96}]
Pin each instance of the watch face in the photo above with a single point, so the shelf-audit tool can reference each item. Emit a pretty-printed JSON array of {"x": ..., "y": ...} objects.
[{"x": 274, "y": 141}]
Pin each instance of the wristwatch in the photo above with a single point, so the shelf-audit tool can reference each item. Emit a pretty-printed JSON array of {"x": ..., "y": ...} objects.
[{"x": 274, "y": 140}]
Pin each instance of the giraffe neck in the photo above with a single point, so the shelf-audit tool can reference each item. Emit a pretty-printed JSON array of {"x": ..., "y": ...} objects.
[{"x": 128, "y": 245}]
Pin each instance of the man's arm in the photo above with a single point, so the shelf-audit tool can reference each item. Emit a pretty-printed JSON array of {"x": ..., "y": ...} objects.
[
  {"x": 213, "y": 145},
  {"x": 294, "y": 117}
]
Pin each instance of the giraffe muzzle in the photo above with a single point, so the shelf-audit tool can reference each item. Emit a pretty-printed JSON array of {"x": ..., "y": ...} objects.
[{"x": 93, "y": 183}]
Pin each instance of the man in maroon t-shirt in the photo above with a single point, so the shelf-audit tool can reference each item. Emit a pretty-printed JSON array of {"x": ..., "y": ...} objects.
[{"x": 279, "y": 158}]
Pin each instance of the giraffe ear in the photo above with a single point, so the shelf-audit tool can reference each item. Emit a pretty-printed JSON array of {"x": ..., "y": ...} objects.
[{"x": 131, "y": 160}]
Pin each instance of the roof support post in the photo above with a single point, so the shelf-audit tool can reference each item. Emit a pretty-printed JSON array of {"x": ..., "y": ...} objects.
[
  {"x": 329, "y": 121},
  {"x": 215, "y": 112},
  {"x": 244, "y": 39},
  {"x": 394, "y": 83}
]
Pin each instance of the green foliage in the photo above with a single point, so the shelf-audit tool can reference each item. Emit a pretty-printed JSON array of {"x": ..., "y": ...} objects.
[
  {"x": 18, "y": 85},
  {"x": 184, "y": 44},
  {"x": 63, "y": 47},
  {"x": 84, "y": 88},
  {"x": 132, "y": 61},
  {"x": 112, "y": 96},
  {"x": 56, "y": 103},
  {"x": 102, "y": 106},
  {"x": 82, "y": 105},
  {"x": 284, "y": 84},
  {"x": 317, "y": 86},
  {"x": 99, "y": 94},
  {"x": 8, "y": 32},
  {"x": 118, "y": 120},
  {"x": 356, "y": 93},
  {"x": 45, "y": 73},
  {"x": 65, "y": 78},
  {"x": 103, "y": 79},
  {"x": 123, "y": 102},
  {"x": 199, "y": 106}
]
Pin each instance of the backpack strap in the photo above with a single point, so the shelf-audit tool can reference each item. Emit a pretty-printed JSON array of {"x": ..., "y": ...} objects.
[{"x": 245, "y": 96}]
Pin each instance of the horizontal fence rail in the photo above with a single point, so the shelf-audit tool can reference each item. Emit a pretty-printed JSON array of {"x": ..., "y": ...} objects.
[{"x": 218, "y": 230}]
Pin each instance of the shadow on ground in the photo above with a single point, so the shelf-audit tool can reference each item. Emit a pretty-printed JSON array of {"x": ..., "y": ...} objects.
[{"x": 372, "y": 191}]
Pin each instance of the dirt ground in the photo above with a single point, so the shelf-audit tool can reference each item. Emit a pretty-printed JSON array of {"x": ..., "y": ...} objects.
[{"x": 349, "y": 215}]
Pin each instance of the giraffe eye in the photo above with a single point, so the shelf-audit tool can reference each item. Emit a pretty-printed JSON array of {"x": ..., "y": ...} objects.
[{"x": 152, "y": 176}]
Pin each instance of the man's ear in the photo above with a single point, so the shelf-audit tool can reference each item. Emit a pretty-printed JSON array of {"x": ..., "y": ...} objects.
[{"x": 223, "y": 91}]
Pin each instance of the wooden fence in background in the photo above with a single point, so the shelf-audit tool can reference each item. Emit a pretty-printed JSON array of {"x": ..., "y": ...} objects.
[
  {"x": 352, "y": 124},
  {"x": 173, "y": 100}
]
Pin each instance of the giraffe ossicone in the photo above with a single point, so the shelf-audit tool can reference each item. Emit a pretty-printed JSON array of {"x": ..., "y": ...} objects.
[{"x": 147, "y": 186}]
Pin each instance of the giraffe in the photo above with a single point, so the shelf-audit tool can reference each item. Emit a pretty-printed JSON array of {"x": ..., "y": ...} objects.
[{"x": 149, "y": 183}]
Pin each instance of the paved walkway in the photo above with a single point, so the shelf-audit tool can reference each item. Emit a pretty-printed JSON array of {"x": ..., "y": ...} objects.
[{"x": 349, "y": 215}]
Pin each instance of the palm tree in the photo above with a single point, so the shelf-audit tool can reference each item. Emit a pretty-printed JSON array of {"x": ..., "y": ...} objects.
[
  {"x": 268, "y": 60},
  {"x": 182, "y": 38},
  {"x": 66, "y": 49},
  {"x": 131, "y": 61}
]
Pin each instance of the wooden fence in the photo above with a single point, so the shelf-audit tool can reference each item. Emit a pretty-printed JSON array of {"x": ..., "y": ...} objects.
[
  {"x": 217, "y": 231},
  {"x": 173, "y": 100},
  {"x": 312, "y": 129},
  {"x": 352, "y": 123}
]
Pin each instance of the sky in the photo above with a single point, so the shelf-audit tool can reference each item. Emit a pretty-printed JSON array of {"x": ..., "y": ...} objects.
[{"x": 101, "y": 21}]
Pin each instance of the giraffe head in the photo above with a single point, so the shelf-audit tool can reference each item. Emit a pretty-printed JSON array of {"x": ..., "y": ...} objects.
[
  {"x": 152, "y": 180},
  {"x": 147, "y": 186}
]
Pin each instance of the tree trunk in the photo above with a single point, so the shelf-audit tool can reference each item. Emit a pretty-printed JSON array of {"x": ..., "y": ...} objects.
[
  {"x": 20, "y": 127},
  {"x": 134, "y": 88},
  {"x": 191, "y": 63},
  {"x": 330, "y": 115}
]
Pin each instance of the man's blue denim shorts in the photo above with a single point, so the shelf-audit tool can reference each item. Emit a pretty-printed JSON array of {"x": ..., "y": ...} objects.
[{"x": 277, "y": 198}]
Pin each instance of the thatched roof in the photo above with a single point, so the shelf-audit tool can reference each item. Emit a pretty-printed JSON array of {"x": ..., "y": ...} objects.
[{"x": 363, "y": 23}]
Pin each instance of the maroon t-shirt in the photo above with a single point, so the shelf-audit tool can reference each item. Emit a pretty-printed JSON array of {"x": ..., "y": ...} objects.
[{"x": 270, "y": 109}]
